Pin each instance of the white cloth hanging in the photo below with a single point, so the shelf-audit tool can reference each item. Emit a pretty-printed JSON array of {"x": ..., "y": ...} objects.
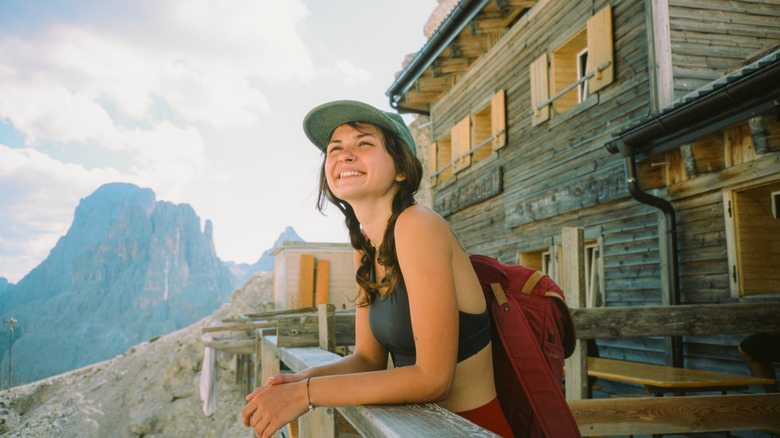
[{"x": 208, "y": 381}]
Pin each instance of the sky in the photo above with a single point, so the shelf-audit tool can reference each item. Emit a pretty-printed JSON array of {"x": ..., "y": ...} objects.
[{"x": 199, "y": 100}]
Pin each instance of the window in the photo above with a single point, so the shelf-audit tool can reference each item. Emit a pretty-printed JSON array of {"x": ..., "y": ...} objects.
[
  {"x": 488, "y": 128},
  {"x": 582, "y": 70},
  {"x": 580, "y": 66},
  {"x": 753, "y": 240},
  {"x": 594, "y": 274},
  {"x": 472, "y": 139},
  {"x": 544, "y": 260},
  {"x": 549, "y": 261}
]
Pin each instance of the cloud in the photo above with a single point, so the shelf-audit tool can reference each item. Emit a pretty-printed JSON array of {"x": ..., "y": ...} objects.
[
  {"x": 39, "y": 197},
  {"x": 350, "y": 73},
  {"x": 72, "y": 82}
]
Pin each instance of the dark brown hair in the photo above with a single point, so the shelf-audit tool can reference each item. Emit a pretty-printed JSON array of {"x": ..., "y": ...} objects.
[{"x": 406, "y": 164}]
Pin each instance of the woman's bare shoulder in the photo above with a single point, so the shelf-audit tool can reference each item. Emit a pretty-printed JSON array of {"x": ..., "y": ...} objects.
[
  {"x": 420, "y": 217},
  {"x": 419, "y": 225}
]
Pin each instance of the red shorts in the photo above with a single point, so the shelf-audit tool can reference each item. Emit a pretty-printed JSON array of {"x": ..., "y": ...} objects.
[{"x": 491, "y": 417}]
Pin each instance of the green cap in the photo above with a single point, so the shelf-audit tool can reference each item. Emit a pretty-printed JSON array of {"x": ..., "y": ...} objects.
[{"x": 320, "y": 123}]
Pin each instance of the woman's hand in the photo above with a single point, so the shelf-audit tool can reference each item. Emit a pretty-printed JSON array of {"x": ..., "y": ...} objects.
[
  {"x": 285, "y": 378},
  {"x": 273, "y": 405}
]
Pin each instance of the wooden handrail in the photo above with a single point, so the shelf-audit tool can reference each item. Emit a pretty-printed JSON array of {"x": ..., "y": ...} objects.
[{"x": 395, "y": 421}]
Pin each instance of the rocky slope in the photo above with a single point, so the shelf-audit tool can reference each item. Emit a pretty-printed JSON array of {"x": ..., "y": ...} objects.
[{"x": 151, "y": 390}]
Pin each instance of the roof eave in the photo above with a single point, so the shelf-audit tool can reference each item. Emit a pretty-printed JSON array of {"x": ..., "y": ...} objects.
[{"x": 460, "y": 17}]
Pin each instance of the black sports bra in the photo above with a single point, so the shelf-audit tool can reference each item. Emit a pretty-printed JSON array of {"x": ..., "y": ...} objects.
[{"x": 391, "y": 325}]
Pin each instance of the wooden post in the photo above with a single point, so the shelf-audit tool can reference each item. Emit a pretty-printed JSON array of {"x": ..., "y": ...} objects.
[
  {"x": 573, "y": 282},
  {"x": 270, "y": 361},
  {"x": 321, "y": 422},
  {"x": 327, "y": 323}
]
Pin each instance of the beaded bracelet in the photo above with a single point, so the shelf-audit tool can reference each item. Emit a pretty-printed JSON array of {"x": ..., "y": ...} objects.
[{"x": 308, "y": 396}]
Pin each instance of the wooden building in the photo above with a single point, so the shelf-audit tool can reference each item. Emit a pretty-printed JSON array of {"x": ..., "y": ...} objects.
[
  {"x": 307, "y": 274},
  {"x": 652, "y": 124}
]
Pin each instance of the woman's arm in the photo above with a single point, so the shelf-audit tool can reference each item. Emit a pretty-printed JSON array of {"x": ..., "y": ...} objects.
[{"x": 424, "y": 254}]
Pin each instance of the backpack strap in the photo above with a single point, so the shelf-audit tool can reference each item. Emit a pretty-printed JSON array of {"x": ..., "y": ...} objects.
[
  {"x": 530, "y": 365},
  {"x": 498, "y": 292},
  {"x": 532, "y": 281}
]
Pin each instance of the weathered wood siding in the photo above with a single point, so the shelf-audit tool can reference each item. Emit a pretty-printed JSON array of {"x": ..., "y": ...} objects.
[
  {"x": 558, "y": 173},
  {"x": 564, "y": 156},
  {"x": 566, "y": 151},
  {"x": 712, "y": 37}
]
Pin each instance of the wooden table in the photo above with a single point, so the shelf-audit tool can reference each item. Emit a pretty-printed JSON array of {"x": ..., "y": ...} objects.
[{"x": 659, "y": 379}]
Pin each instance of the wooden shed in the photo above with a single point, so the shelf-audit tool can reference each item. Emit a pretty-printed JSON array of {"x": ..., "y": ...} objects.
[
  {"x": 308, "y": 273},
  {"x": 651, "y": 124}
]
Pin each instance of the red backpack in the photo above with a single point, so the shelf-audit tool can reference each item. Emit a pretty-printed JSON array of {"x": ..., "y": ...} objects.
[{"x": 532, "y": 331}]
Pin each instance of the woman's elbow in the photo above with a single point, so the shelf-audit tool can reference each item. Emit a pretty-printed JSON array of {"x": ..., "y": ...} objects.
[{"x": 438, "y": 388}]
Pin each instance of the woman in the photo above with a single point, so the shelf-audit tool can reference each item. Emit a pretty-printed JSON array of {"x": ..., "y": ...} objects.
[{"x": 418, "y": 296}]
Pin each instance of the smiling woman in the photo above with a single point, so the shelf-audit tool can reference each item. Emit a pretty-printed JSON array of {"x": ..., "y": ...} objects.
[{"x": 418, "y": 299}]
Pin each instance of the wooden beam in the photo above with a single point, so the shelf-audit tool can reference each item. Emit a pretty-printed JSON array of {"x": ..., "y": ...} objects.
[
  {"x": 430, "y": 84},
  {"x": 304, "y": 330},
  {"x": 237, "y": 327},
  {"x": 682, "y": 320},
  {"x": 656, "y": 415}
]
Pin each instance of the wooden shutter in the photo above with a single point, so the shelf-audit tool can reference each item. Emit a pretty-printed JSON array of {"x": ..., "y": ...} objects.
[
  {"x": 498, "y": 119},
  {"x": 322, "y": 282},
  {"x": 600, "y": 49},
  {"x": 539, "y": 90},
  {"x": 461, "y": 143},
  {"x": 306, "y": 282}
]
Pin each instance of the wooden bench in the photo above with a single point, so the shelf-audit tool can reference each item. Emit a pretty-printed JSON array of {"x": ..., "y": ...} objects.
[{"x": 658, "y": 379}]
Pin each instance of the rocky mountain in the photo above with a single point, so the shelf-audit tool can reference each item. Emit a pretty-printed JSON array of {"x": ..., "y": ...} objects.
[
  {"x": 129, "y": 268},
  {"x": 242, "y": 271}
]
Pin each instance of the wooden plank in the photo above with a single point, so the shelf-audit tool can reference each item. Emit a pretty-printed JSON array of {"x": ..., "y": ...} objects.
[
  {"x": 303, "y": 330},
  {"x": 666, "y": 378},
  {"x": 682, "y": 320},
  {"x": 245, "y": 345},
  {"x": 654, "y": 415},
  {"x": 274, "y": 314},
  {"x": 238, "y": 327}
]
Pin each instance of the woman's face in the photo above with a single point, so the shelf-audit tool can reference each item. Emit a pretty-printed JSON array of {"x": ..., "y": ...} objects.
[{"x": 357, "y": 165}]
